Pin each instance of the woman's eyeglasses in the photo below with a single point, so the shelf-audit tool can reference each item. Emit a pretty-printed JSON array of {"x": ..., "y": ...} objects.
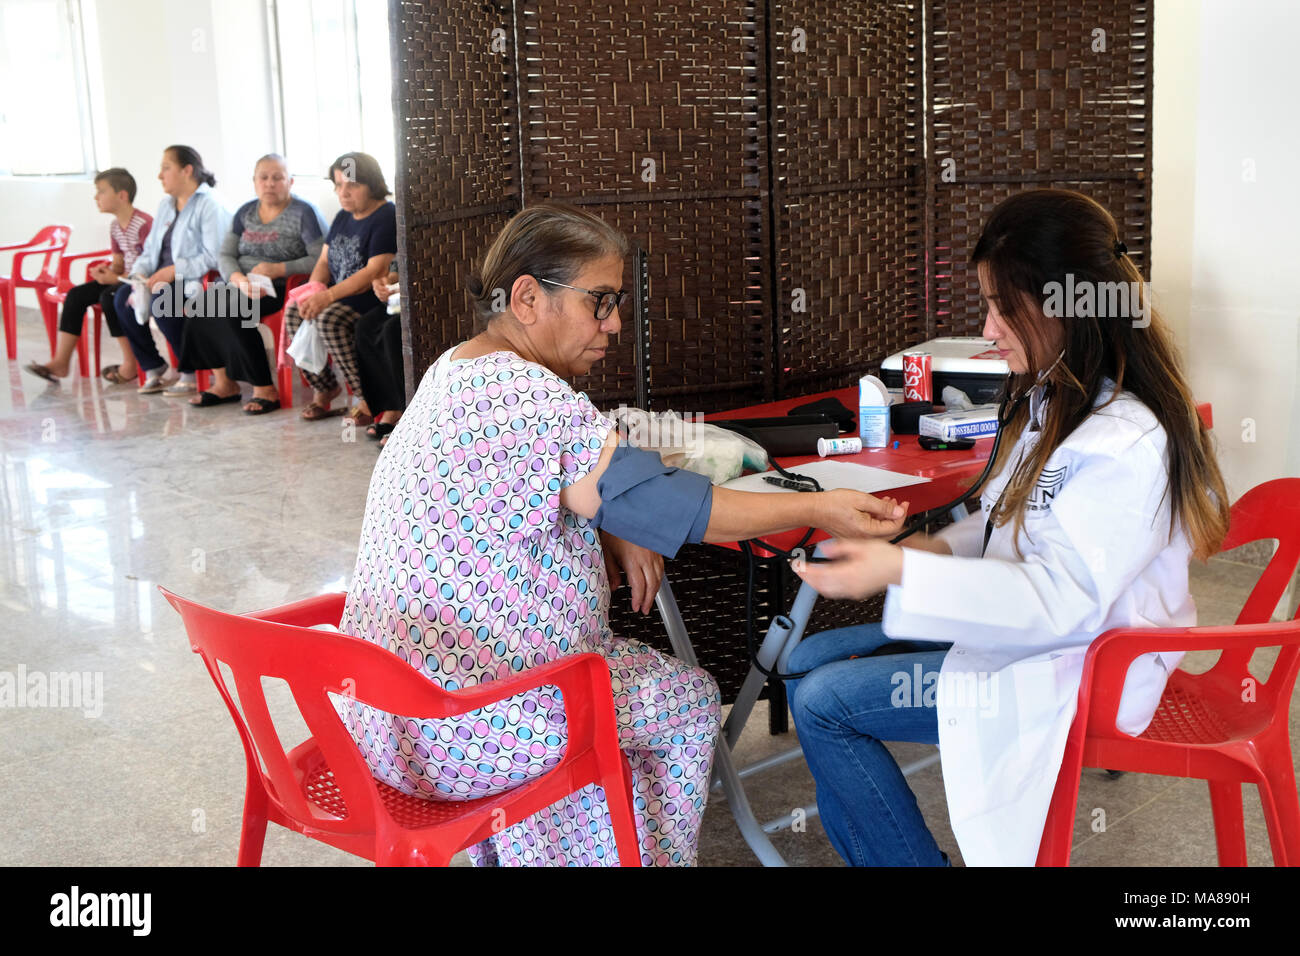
[{"x": 606, "y": 302}]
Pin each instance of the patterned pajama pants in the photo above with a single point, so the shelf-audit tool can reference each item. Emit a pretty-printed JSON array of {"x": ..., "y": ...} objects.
[
  {"x": 668, "y": 722},
  {"x": 335, "y": 323}
]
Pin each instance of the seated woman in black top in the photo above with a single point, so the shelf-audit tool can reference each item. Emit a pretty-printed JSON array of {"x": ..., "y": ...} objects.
[
  {"x": 379, "y": 360},
  {"x": 274, "y": 236},
  {"x": 361, "y": 243}
]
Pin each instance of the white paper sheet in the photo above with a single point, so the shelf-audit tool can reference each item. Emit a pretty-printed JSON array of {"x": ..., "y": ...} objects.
[{"x": 833, "y": 474}]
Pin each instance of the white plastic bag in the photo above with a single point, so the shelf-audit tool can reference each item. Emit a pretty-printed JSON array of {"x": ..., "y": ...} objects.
[
  {"x": 718, "y": 454},
  {"x": 308, "y": 348},
  {"x": 140, "y": 299}
]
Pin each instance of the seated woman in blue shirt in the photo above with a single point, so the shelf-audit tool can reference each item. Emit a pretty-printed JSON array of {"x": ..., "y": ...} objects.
[
  {"x": 182, "y": 247},
  {"x": 361, "y": 244}
]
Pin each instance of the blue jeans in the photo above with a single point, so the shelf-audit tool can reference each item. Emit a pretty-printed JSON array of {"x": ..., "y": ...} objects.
[
  {"x": 141, "y": 339},
  {"x": 842, "y": 711}
]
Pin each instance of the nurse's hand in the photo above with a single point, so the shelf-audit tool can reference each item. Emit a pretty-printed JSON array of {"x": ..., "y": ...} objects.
[
  {"x": 643, "y": 568},
  {"x": 855, "y": 569},
  {"x": 856, "y": 514}
]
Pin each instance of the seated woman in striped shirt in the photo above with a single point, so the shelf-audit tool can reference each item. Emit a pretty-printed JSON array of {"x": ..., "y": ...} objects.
[{"x": 274, "y": 236}]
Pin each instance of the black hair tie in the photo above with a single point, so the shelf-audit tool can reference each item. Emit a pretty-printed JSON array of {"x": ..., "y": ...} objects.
[{"x": 1120, "y": 248}]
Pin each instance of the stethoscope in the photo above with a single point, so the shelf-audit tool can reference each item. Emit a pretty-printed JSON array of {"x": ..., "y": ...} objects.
[
  {"x": 1008, "y": 408},
  {"x": 1005, "y": 415}
]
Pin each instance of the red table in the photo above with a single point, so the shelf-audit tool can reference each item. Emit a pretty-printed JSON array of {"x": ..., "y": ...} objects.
[{"x": 950, "y": 472}]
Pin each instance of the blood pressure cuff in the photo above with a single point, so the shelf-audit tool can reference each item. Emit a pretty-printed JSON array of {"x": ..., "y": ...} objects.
[{"x": 652, "y": 504}]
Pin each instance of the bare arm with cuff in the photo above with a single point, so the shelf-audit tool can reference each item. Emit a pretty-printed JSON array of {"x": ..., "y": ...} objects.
[{"x": 632, "y": 494}]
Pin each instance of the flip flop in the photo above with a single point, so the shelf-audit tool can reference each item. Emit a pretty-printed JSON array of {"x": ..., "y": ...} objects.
[
  {"x": 314, "y": 412},
  {"x": 40, "y": 371},
  {"x": 264, "y": 405},
  {"x": 208, "y": 398},
  {"x": 379, "y": 429},
  {"x": 111, "y": 373}
]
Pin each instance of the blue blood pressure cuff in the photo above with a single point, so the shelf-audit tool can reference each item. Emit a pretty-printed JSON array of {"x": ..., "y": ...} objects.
[{"x": 652, "y": 504}]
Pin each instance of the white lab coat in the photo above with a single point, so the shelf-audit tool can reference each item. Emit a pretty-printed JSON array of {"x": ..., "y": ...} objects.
[{"x": 1097, "y": 554}]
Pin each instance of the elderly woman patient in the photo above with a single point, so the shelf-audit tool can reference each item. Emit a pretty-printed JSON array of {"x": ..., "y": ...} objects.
[{"x": 500, "y": 510}]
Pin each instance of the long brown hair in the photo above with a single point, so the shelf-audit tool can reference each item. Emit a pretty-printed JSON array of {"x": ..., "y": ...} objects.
[{"x": 1036, "y": 246}]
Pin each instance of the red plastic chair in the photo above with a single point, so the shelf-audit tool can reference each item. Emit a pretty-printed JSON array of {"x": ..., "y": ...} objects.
[
  {"x": 283, "y": 362},
  {"x": 54, "y": 297},
  {"x": 275, "y": 322},
  {"x": 324, "y": 789},
  {"x": 50, "y": 244},
  {"x": 1203, "y": 728}
]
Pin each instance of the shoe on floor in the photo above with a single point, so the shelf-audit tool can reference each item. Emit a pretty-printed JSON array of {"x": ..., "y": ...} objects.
[
  {"x": 40, "y": 371},
  {"x": 180, "y": 388},
  {"x": 207, "y": 399},
  {"x": 153, "y": 385}
]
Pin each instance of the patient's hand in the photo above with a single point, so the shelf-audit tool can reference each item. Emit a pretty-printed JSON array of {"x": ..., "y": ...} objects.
[
  {"x": 855, "y": 514},
  {"x": 643, "y": 568}
]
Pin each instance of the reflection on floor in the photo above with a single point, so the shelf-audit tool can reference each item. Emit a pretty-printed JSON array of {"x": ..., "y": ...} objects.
[{"x": 105, "y": 494}]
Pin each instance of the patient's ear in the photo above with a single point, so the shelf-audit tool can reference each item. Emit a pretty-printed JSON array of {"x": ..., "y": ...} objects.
[{"x": 525, "y": 300}]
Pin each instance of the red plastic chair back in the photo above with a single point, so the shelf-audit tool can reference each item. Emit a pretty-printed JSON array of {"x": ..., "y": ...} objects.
[
  {"x": 316, "y": 663},
  {"x": 54, "y": 297},
  {"x": 49, "y": 244},
  {"x": 1251, "y": 732}
]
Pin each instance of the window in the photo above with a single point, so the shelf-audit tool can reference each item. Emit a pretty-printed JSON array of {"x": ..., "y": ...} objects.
[
  {"x": 334, "y": 81},
  {"x": 45, "y": 126}
]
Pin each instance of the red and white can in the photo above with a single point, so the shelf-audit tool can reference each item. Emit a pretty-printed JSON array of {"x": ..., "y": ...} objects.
[{"x": 916, "y": 377}]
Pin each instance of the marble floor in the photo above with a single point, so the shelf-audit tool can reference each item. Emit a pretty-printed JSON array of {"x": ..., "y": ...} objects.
[{"x": 106, "y": 494}]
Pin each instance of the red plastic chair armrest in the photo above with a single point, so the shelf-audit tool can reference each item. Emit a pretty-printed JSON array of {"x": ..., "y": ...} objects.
[
  {"x": 564, "y": 673},
  {"x": 65, "y": 263},
  {"x": 1111, "y": 654},
  {"x": 323, "y": 609},
  {"x": 20, "y": 257}
]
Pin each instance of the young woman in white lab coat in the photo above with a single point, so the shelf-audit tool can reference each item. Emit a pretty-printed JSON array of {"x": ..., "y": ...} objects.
[{"x": 1105, "y": 485}]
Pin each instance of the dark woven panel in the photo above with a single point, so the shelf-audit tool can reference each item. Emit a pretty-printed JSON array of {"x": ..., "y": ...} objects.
[
  {"x": 458, "y": 159},
  {"x": 708, "y": 343},
  {"x": 1020, "y": 99},
  {"x": 605, "y": 93},
  {"x": 709, "y": 585},
  {"x": 966, "y": 207},
  {"x": 847, "y": 187}
]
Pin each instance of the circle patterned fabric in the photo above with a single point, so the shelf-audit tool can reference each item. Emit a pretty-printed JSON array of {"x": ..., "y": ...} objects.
[{"x": 471, "y": 571}]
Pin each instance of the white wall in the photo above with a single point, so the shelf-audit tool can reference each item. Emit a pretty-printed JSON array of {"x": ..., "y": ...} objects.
[
  {"x": 1243, "y": 325},
  {"x": 194, "y": 72},
  {"x": 1173, "y": 158}
]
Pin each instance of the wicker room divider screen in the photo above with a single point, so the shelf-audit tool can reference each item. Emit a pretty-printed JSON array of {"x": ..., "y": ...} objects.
[{"x": 780, "y": 161}]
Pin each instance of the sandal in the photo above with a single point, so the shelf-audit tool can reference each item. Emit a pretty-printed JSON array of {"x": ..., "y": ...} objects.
[
  {"x": 40, "y": 371},
  {"x": 112, "y": 373},
  {"x": 264, "y": 405},
  {"x": 314, "y": 412},
  {"x": 379, "y": 429},
  {"x": 359, "y": 418},
  {"x": 208, "y": 398}
]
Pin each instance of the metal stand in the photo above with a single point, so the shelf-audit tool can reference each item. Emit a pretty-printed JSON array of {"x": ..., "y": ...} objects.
[{"x": 783, "y": 635}]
